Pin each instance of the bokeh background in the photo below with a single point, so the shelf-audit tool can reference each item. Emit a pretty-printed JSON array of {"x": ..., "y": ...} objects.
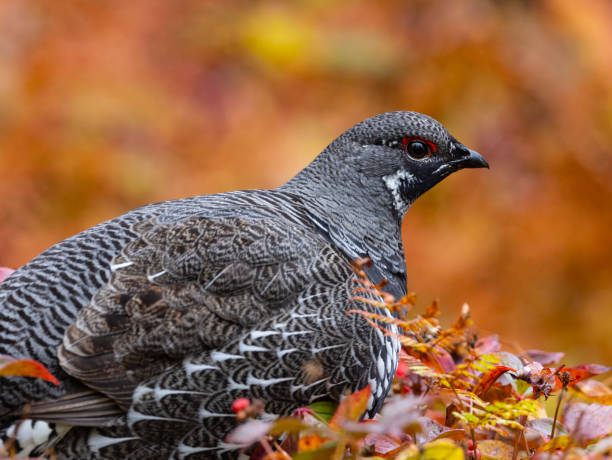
[{"x": 105, "y": 106}]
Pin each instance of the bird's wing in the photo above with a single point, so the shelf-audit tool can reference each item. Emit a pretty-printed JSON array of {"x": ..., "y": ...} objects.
[
  {"x": 202, "y": 311},
  {"x": 189, "y": 286}
]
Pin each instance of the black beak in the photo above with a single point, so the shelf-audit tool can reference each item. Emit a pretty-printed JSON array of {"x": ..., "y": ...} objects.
[
  {"x": 474, "y": 160},
  {"x": 469, "y": 158}
]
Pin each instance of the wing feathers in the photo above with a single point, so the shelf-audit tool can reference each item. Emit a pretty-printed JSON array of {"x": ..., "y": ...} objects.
[{"x": 83, "y": 408}]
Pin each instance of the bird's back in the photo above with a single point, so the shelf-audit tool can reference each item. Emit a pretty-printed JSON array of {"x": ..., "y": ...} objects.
[{"x": 41, "y": 299}]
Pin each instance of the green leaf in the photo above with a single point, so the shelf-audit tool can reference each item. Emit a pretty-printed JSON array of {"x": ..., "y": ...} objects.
[
  {"x": 469, "y": 417},
  {"x": 522, "y": 387},
  {"x": 324, "y": 410}
]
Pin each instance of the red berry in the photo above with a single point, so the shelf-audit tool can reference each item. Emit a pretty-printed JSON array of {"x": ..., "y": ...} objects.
[
  {"x": 401, "y": 369},
  {"x": 240, "y": 404},
  {"x": 302, "y": 412}
]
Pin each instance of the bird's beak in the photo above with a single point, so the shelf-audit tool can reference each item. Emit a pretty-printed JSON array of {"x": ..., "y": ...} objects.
[
  {"x": 474, "y": 160},
  {"x": 469, "y": 159}
]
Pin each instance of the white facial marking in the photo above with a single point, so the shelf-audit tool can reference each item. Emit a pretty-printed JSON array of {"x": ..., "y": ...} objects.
[
  {"x": 393, "y": 183},
  {"x": 441, "y": 169}
]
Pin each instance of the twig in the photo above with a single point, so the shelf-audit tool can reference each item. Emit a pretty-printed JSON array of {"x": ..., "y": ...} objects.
[
  {"x": 552, "y": 431},
  {"x": 517, "y": 440},
  {"x": 474, "y": 445}
]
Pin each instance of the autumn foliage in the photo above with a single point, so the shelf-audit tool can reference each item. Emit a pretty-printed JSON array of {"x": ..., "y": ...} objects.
[
  {"x": 109, "y": 105},
  {"x": 455, "y": 396}
]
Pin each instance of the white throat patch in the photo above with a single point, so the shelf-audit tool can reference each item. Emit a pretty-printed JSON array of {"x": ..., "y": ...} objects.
[{"x": 393, "y": 183}]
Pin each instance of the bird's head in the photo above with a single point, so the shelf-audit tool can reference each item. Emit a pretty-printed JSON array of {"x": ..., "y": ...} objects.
[{"x": 407, "y": 151}]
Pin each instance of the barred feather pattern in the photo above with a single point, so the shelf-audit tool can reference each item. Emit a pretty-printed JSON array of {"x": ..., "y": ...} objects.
[
  {"x": 267, "y": 271},
  {"x": 203, "y": 311},
  {"x": 171, "y": 311},
  {"x": 41, "y": 300}
]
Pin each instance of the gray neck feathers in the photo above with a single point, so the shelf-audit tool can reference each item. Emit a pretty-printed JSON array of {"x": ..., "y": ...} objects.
[{"x": 355, "y": 210}]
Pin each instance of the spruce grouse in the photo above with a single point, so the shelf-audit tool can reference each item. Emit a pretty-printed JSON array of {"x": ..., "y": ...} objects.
[{"x": 157, "y": 320}]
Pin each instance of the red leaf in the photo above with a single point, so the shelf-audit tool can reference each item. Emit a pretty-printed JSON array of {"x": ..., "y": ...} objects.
[
  {"x": 587, "y": 421},
  {"x": 10, "y": 366},
  {"x": 489, "y": 379},
  {"x": 578, "y": 373},
  {"x": 351, "y": 408},
  {"x": 444, "y": 359},
  {"x": 383, "y": 445}
]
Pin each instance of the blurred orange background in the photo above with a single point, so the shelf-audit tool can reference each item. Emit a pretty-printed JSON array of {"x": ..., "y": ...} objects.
[{"x": 105, "y": 106}]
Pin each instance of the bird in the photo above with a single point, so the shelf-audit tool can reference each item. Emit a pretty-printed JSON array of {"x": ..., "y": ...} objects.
[{"x": 156, "y": 321}]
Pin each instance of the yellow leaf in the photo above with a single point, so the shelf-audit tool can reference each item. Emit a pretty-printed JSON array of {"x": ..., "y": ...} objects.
[
  {"x": 287, "y": 425},
  {"x": 441, "y": 449},
  {"x": 494, "y": 450},
  {"x": 593, "y": 391},
  {"x": 310, "y": 442}
]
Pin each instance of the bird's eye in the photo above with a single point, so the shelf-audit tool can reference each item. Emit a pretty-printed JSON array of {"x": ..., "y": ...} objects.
[{"x": 418, "y": 149}]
